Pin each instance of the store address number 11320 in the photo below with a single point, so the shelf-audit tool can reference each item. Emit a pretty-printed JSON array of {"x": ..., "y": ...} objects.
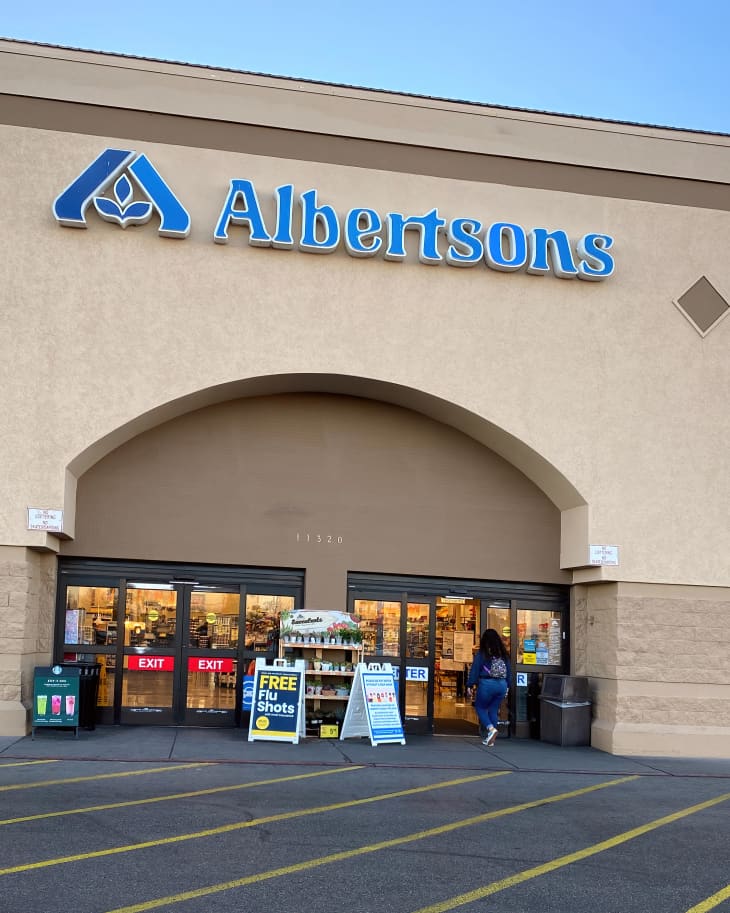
[{"x": 319, "y": 539}]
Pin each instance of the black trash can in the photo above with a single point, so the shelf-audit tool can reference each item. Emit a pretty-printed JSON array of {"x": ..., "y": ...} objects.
[
  {"x": 90, "y": 673},
  {"x": 565, "y": 710}
]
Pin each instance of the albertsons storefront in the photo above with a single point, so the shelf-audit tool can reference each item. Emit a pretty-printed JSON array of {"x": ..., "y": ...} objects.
[{"x": 272, "y": 347}]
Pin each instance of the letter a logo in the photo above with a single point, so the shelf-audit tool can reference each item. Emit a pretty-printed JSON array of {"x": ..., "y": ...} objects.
[{"x": 109, "y": 168}]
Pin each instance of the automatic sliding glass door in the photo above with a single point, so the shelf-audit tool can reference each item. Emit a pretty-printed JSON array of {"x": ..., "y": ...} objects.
[
  {"x": 209, "y": 666},
  {"x": 173, "y": 648},
  {"x": 150, "y": 648}
]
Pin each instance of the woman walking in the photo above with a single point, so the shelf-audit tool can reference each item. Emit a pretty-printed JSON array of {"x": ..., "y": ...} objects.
[{"x": 489, "y": 675}]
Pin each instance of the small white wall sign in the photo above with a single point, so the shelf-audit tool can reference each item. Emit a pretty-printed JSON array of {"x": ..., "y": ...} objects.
[
  {"x": 603, "y": 555},
  {"x": 49, "y": 520}
]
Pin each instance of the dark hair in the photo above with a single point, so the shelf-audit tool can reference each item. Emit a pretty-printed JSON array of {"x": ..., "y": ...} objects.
[{"x": 491, "y": 645}]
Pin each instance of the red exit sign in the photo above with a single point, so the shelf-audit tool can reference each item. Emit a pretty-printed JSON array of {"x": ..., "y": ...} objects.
[
  {"x": 151, "y": 663},
  {"x": 208, "y": 664}
]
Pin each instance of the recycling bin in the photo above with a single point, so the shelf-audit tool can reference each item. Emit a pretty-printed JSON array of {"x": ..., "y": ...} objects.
[
  {"x": 90, "y": 674},
  {"x": 565, "y": 710}
]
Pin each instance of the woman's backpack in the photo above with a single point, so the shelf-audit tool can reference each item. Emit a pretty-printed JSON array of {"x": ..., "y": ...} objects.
[{"x": 496, "y": 668}]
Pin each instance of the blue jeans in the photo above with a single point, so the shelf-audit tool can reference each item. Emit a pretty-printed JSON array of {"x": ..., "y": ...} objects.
[{"x": 490, "y": 694}]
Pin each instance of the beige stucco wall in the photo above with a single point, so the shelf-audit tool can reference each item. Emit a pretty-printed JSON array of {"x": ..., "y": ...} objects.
[
  {"x": 384, "y": 488},
  {"x": 602, "y": 393},
  {"x": 607, "y": 381}
]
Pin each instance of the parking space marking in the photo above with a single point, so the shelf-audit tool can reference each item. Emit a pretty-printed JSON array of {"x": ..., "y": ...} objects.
[
  {"x": 711, "y": 902},
  {"x": 561, "y": 861},
  {"x": 255, "y": 822},
  {"x": 198, "y": 792},
  {"x": 363, "y": 850},
  {"x": 122, "y": 773},
  {"x": 28, "y": 763}
]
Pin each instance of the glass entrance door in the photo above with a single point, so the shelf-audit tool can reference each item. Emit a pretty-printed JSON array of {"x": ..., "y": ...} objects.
[
  {"x": 210, "y": 657},
  {"x": 457, "y": 634},
  {"x": 188, "y": 648},
  {"x": 539, "y": 645},
  {"x": 173, "y": 643},
  {"x": 380, "y": 624},
  {"x": 416, "y": 671},
  {"x": 150, "y": 644},
  {"x": 400, "y": 632},
  {"x": 431, "y": 641},
  {"x": 497, "y": 614}
]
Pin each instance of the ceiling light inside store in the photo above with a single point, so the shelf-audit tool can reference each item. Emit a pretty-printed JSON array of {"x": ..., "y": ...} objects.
[{"x": 149, "y": 586}]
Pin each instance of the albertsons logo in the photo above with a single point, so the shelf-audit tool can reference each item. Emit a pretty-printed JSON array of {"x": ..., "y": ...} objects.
[{"x": 124, "y": 172}]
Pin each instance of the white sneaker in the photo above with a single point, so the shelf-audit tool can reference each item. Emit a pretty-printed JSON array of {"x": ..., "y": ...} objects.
[{"x": 491, "y": 736}]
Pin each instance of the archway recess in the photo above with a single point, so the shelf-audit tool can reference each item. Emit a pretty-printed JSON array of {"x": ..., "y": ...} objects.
[{"x": 548, "y": 477}]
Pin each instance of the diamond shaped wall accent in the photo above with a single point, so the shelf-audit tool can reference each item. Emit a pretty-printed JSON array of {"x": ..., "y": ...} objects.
[{"x": 703, "y": 306}]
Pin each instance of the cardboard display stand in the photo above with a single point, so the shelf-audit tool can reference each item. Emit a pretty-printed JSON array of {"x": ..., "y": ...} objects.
[
  {"x": 373, "y": 706},
  {"x": 277, "y": 711}
]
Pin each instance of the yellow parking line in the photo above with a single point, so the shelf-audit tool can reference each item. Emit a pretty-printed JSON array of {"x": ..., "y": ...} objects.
[
  {"x": 240, "y": 825},
  {"x": 27, "y": 763},
  {"x": 123, "y": 773},
  {"x": 361, "y": 851},
  {"x": 711, "y": 902},
  {"x": 168, "y": 798},
  {"x": 562, "y": 861}
]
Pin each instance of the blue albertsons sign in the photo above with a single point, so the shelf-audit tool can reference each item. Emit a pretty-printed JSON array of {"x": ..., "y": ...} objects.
[{"x": 319, "y": 229}]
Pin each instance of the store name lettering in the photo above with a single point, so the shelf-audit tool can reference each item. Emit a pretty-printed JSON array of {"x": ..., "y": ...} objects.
[
  {"x": 503, "y": 246},
  {"x": 117, "y": 177}
]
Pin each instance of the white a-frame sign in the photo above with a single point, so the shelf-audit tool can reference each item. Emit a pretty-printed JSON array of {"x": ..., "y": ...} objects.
[{"x": 373, "y": 706}]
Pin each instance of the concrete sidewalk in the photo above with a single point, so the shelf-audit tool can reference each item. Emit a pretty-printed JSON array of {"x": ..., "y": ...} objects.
[{"x": 162, "y": 744}]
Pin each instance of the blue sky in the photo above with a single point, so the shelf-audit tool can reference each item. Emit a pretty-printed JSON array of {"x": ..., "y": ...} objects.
[{"x": 651, "y": 62}]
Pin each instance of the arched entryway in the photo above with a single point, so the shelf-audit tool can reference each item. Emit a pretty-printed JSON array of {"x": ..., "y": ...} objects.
[{"x": 320, "y": 485}]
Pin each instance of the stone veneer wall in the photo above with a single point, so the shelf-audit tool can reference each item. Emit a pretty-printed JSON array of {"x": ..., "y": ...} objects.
[
  {"x": 659, "y": 667},
  {"x": 27, "y": 596}
]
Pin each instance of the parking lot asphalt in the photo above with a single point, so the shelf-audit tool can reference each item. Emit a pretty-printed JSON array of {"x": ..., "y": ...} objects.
[{"x": 126, "y": 820}]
